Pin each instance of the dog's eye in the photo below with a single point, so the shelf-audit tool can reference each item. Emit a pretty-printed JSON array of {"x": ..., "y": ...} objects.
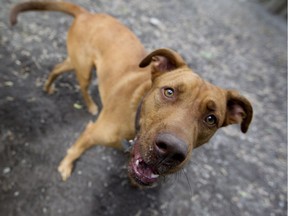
[
  {"x": 169, "y": 92},
  {"x": 211, "y": 120}
]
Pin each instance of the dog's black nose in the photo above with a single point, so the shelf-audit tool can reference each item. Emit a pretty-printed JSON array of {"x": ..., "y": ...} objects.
[{"x": 170, "y": 149}]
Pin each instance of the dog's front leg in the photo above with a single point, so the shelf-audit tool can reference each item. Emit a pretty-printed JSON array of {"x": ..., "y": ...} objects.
[
  {"x": 94, "y": 134},
  {"x": 83, "y": 143}
]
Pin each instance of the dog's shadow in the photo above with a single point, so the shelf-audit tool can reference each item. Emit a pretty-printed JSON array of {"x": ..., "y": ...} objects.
[{"x": 119, "y": 197}]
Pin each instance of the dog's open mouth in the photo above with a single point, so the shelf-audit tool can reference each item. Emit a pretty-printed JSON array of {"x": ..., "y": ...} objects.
[{"x": 139, "y": 170}]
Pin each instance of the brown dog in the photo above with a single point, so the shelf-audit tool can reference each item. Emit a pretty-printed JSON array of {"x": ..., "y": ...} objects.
[{"x": 174, "y": 110}]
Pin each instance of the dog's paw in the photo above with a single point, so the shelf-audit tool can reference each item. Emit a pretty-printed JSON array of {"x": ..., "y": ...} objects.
[
  {"x": 49, "y": 89},
  {"x": 65, "y": 170},
  {"x": 93, "y": 109}
]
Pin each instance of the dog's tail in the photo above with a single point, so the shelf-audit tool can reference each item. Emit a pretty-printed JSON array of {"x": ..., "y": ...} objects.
[{"x": 65, "y": 7}]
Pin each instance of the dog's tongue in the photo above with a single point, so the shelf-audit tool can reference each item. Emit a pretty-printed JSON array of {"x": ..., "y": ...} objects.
[
  {"x": 144, "y": 172},
  {"x": 141, "y": 171}
]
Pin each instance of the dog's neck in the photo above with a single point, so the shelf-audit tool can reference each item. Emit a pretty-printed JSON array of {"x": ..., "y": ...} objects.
[
  {"x": 137, "y": 116},
  {"x": 136, "y": 106},
  {"x": 140, "y": 91},
  {"x": 127, "y": 144}
]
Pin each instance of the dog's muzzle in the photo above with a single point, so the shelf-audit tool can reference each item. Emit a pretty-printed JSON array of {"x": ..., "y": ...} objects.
[{"x": 167, "y": 153}]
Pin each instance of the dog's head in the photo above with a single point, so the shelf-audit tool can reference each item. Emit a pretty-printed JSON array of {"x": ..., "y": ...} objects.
[{"x": 180, "y": 112}]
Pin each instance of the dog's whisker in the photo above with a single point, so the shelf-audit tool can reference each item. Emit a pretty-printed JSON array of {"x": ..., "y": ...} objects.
[
  {"x": 160, "y": 162},
  {"x": 188, "y": 180}
]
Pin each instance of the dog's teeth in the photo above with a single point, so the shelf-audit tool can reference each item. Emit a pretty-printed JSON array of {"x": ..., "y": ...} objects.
[
  {"x": 154, "y": 176},
  {"x": 137, "y": 162}
]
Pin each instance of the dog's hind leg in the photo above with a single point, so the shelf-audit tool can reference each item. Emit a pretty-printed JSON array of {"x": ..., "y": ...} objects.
[
  {"x": 60, "y": 68},
  {"x": 83, "y": 74},
  {"x": 98, "y": 133}
]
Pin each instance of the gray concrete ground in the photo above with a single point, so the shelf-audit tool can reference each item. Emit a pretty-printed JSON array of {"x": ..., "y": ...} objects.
[{"x": 234, "y": 44}]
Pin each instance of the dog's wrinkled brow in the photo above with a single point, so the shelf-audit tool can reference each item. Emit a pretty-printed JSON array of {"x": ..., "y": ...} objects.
[{"x": 211, "y": 105}]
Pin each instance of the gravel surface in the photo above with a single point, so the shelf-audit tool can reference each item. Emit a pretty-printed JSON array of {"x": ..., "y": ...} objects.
[{"x": 234, "y": 44}]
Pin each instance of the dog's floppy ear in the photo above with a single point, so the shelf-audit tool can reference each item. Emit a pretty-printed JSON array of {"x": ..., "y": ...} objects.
[
  {"x": 163, "y": 60},
  {"x": 239, "y": 110}
]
